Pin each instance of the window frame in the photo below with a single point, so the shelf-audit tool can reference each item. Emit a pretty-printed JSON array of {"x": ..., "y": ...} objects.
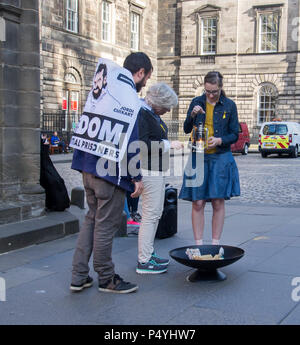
[
  {"x": 275, "y": 9},
  {"x": 76, "y": 15},
  {"x": 138, "y": 25},
  {"x": 72, "y": 85},
  {"x": 109, "y": 23},
  {"x": 136, "y": 7},
  {"x": 271, "y": 33},
  {"x": 202, "y": 19},
  {"x": 273, "y": 95}
]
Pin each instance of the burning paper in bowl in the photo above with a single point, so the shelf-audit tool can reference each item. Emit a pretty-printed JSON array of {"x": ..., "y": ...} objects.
[{"x": 195, "y": 254}]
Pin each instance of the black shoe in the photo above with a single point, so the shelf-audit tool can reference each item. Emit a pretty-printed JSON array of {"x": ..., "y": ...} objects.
[
  {"x": 136, "y": 217},
  {"x": 117, "y": 285},
  {"x": 88, "y": 283}
]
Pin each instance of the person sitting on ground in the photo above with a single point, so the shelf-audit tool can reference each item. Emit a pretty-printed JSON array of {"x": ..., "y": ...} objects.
[{"x": 56, "y": 141}]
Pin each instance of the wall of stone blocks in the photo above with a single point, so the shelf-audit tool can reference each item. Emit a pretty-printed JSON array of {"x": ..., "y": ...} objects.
[
  {"x": 20, "y": 99},
  {"x": 62, "y": 51},
  {"x": 244, "y": 73}
]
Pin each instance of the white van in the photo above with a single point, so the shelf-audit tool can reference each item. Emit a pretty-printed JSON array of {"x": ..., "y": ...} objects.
[{"x": 279, "y": 137}]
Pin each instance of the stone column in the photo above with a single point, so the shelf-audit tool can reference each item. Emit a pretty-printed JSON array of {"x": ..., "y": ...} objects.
[{"x": 20, "y": 106}]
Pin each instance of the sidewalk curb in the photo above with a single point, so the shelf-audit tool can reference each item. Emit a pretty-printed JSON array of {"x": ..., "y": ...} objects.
[{"x": 52, "y": 226}]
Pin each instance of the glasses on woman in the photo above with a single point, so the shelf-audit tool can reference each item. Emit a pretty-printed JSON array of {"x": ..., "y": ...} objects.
[{"x": 211, "y": 92}]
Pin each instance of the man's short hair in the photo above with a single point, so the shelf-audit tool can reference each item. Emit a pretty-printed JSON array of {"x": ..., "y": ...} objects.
[{"x": 135, "y": 61}]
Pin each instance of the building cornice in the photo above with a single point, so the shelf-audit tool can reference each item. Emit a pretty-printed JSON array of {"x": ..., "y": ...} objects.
[{"x": 10, "y": 13}]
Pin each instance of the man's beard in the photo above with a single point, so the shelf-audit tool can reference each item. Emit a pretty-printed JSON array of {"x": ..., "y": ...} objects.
[
  {"x": 97, "y": 95},
  {"x": 140, "y": 85}
]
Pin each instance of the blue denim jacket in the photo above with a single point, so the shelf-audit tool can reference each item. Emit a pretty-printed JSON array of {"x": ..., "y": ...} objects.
[{"x": 226, "y": 123}]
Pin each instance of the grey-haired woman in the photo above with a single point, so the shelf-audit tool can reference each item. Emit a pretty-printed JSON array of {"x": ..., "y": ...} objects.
[{"x": 154, "y": 145}]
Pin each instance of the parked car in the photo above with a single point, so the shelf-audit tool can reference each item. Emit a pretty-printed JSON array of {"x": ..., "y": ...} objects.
[
  {"x": 243, "y": 143},
  {"x": 279, "y": 137}
]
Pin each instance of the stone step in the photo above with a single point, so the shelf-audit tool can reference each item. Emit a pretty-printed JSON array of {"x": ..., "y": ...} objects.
[
  {"x": 26, "y": 207},
  {"x": 49, "y": 227}
]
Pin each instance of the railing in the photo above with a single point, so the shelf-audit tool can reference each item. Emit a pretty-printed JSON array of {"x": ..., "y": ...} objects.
[
  {"x": 207, "y": 59},
  {"x": 63, "y": 124},
  {"x": 175, "y": 130}
]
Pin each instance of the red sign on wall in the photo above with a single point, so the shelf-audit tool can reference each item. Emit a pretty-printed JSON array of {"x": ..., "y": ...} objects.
[
  {"x": 74, "y": 105},
  {"x": 64, "y": 105}
]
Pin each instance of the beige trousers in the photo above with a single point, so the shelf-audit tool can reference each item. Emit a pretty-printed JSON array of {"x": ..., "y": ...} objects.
[{"x": 152, "y": 207}]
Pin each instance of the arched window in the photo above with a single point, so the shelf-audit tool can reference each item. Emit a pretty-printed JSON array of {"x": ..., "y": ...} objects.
[
  {"x": 71, "y": 99},
  {"x": 70, "y": 78},
  {"x": 266, "y": 103}
]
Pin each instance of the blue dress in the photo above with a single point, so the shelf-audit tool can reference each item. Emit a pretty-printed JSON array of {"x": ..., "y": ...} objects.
[
  {"x": 216, "y": 176},
  {"x": 219, "y": 174}
]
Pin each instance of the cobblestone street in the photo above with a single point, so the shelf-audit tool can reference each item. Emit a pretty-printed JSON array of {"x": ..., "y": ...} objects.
[{"x": 274, "y": 181}]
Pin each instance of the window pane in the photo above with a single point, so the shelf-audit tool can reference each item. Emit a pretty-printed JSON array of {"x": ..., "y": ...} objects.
[
  {"x": 269, "y": 32},
  {"x": 72, "y": 15},
  {"x": 209, "y": 35},
  {"x": 106, "y": 21},
  {"x": 267, "y": 103},
  {"x": 72, "y": 5},
  {"x": 134, "y": 28}
]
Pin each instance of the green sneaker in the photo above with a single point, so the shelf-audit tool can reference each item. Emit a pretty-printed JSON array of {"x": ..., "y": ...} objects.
[
  {"x": 159, "y": 260},
  {"x": 150, "y": 267}
]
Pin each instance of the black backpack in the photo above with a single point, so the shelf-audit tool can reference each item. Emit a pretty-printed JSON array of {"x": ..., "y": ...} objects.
[{"x": 167, "y": 225}]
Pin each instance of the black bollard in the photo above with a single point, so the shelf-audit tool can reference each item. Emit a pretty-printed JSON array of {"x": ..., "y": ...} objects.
[{"x": 77, "y": 197}]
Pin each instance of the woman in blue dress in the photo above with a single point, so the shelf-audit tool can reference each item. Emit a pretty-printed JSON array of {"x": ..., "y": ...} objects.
[{"x": 219, "y": 115}]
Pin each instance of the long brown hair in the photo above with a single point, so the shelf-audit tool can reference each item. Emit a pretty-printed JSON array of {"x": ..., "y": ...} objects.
[{"x": 215, "y": 77}]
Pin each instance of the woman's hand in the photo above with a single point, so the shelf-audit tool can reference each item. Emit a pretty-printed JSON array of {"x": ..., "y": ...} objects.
[
  {"x": 213, "y": 142},
  {"x": 177, "y": 145},
  {"x": 197, "y": 110}
]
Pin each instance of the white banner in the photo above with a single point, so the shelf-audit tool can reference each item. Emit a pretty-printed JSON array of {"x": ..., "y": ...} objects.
[{"x": 109, "y": 114}]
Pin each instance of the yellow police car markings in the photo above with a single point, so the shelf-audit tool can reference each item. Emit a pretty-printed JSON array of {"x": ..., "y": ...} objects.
[{"x": 275, "y": 141}]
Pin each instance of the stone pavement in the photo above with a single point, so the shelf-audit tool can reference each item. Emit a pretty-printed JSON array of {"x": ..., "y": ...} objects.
[{"x": 258, "y": 289}]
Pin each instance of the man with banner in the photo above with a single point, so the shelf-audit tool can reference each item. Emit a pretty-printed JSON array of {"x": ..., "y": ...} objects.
[{"x": 105, "y": 130}]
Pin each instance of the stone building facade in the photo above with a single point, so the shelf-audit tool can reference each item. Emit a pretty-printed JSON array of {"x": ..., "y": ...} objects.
[
  {"x": 76, "y": 33},
  {"x": 254, "y": 44}
]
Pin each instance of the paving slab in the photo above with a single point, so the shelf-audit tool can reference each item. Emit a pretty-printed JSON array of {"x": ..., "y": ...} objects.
[
  {"x": 262, "y": 249},
  {"x": 284, "y": 262},
  {"x": 295, "y": 242},
  {"x": 286, "y": 229},
  {"x": 207, "y": 316},
  {"x": 32, "y": 253},
  {"x": 257, "y": 289},
  {"x": 21, "y": 275},
  {"x": 263, "y": 296},
  {"x": 293, "y": 318}
]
